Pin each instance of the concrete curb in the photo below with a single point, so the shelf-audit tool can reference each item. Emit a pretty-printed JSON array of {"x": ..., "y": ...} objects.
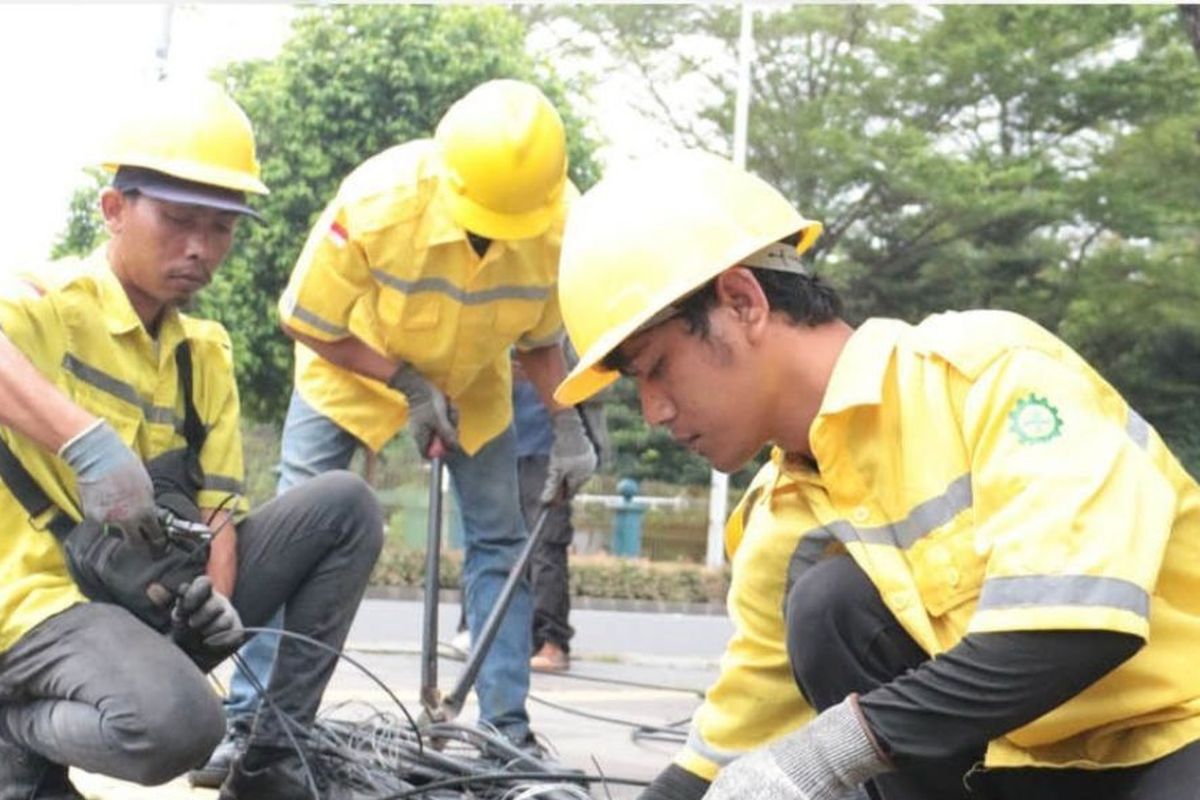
[
  {"x": 577, "y": 603},
  {"x": 445, "y": 650}
]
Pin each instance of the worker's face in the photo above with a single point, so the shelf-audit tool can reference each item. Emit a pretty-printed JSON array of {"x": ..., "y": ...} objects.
[
  {"x": 165, "y": 252},
  {"x": 702, "y": 389}
]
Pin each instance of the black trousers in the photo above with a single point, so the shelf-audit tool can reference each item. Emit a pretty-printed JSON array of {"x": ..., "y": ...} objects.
[
  {"x": 96, "y": 688},
  {"x": 843, "y": 639},
  {"x": 548, "y": 566}
]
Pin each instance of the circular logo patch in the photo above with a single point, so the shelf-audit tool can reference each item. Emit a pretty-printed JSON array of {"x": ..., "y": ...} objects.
[{"x": 1034, "y": 420}]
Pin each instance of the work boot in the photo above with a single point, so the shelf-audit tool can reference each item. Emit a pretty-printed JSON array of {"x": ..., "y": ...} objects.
[
  {"x": 214, "y": 771},
  {"x": 551, "y": 658},
  {"x": 25, "y": 775},
  {"x": 282, "y": 779}
]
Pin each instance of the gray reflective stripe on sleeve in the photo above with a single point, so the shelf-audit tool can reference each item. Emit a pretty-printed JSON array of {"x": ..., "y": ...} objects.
[
  {"x": 309, "y": 318},
  {"x": 697, "y": 745},
  {"x": 1137, "y": 429},
  {"x": 1031, "y": 591},
  {"x": 222, "y": 483},
  {"x": 443, "y": 286},
  {"x": 122, "y": 391},
  {"x": 922, "y": 520},
  {"x": 525, "y": 343}
]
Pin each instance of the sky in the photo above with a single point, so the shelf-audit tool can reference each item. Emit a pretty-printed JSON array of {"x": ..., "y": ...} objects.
[{"x": 64, "y": 67}]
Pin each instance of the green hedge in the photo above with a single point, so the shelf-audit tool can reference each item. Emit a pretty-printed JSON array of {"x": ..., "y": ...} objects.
[{"x": 591, "y": 576}]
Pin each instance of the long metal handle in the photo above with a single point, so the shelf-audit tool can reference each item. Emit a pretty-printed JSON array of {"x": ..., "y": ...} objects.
[
  {"x": 430, "y": 697},
  {"x": 453, "y": 702}
]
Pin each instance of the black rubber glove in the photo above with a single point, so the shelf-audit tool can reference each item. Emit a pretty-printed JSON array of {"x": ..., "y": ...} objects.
[{"x": 207, "y": 616}]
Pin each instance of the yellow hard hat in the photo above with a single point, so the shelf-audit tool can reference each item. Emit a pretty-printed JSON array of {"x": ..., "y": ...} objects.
[
  {"x": 504, "y": 150},
  {"x": 648, "y": 235},
  {"x": 191, "y": 130}
]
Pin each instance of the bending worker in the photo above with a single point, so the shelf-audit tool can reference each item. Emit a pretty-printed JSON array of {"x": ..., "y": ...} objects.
[
  {"x": 433, "y": 259},
  {"x": 100, "y": 372},
  {"x": 993, "y": 587}
]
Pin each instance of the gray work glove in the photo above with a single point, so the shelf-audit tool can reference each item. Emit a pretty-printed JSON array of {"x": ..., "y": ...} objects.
[
  {"x": 114, "y": 487},
  {"x": 429, "y": 412},
  {"x": 825, "y": 760},
  {"x": 206, "y": 615},
  {"x": 572, "y": 457}
]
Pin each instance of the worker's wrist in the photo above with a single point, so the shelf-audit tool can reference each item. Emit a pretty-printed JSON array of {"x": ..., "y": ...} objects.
[
  {"x": 566, "y": 420},
  {"x": 409, "y": 383},
  {"x": 93, "y": 449},
  {"x": 831, "y": 754}
]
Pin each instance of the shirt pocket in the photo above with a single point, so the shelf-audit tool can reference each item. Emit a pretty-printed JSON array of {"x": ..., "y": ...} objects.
[
  {"x": 416, "y": 311},
  {"x": 112, "y": 400},
  {"x": 947, "y": 569}
]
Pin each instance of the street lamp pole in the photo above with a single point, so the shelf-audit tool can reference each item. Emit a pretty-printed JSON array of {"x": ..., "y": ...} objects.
[{"x": 163, "y": 51}]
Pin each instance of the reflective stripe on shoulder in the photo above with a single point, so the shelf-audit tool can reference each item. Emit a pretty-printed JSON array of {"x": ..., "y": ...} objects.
[
  {"x": 697, "y": 745},
  {"x": 1137, "y": 429},
  {"x": 443, "y": 286},
  {"x": 922, "y": 520},
  {"x": 1029, "y": 591},
  {"x": 121, "y": 390}
]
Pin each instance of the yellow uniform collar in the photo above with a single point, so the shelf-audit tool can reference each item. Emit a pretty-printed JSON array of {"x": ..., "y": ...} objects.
[{"x": 858, "y": 375}]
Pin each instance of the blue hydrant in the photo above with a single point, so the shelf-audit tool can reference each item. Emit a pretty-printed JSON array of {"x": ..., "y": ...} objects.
[{"x": 627, "y": 520}]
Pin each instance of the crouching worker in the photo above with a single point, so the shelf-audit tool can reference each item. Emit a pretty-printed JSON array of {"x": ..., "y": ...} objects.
[
  {"x": 128, "y": 565},
  {"x": 992, "y": 558}
]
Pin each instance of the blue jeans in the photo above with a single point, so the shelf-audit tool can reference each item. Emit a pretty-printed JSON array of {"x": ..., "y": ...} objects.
[{"x": 486, "y": 492}]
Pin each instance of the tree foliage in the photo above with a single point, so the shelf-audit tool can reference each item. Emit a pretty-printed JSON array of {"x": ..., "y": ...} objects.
[
  {"x": 84, "y": 229},
  {"x": 1035, "y": 158}
]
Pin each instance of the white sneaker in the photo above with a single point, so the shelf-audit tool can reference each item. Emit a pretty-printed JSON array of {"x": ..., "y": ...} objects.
[{"x": 461, "y": 642}]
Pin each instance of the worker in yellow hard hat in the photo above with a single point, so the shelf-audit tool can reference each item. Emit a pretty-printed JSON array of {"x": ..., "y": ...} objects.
[
  {"x": 120, "y": 483},
  {"x": 432, "y": 260},
  {"x": 969, "y": 568}
]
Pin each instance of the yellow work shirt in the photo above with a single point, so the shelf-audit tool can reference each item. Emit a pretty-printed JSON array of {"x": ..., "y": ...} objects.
[
  {"x": 74, "y": 322},
  {"x": 754, "y": 699},
  {"x": 387, "y": 263},
  {"x": 985, "y": 478}
]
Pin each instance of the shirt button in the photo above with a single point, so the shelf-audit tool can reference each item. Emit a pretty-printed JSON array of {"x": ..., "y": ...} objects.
[
  {"x": 899, "y": 600},
  {"x": 860, "y": 514},
  {"x": 953, "y": 577}
]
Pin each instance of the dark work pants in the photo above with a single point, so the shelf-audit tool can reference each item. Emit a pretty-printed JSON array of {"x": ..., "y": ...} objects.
[
  {"x": 94, "y": 687},
  {"x": 843, "y": 639},
  {"x": 548, "y": 566}
]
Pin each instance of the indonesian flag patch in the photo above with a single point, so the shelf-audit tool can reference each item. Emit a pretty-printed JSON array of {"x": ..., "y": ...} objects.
[{"x": 338, "y": 235}]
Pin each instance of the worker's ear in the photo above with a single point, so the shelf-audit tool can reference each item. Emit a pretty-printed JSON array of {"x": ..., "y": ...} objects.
[
  {"x": 739, "y": 292},
  {"x": 114, "y": 206}
]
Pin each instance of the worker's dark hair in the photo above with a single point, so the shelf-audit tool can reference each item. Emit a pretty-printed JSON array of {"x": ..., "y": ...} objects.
[{"x": 805, "y": 299}]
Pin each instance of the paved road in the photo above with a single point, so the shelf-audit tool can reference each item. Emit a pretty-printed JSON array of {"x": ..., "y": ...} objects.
[{"x": 635, "y": 667}]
